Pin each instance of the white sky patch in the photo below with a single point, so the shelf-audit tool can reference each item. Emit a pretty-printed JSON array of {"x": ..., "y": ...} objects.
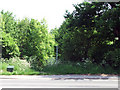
[{"x": 52, "y": 10}]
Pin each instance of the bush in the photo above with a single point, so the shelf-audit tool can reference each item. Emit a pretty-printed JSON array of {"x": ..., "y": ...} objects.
[
  {"x": 113, "y": 58},
  {"x": 9, "y": 47},
  {"x": 35, "y": 63}
]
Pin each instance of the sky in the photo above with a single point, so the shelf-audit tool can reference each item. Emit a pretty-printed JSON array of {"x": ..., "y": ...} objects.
[{"x": 52, "y": 10}]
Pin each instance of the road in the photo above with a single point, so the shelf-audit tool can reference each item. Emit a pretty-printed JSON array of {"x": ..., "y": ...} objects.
[{"x": 59, "y": 81}]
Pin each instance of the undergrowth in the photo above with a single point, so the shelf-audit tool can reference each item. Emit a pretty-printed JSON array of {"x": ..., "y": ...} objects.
[
  {"x": 19, "y": 67},
  {"x": 53, "y": 68},
  {"x": 78, "y": 68}
]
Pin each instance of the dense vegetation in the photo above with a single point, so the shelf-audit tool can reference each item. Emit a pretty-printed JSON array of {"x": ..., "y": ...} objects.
[
  {"x": 90, "y": 36},
  {"x": 91, "y": 33},
  {"x": 27, "y": 37}
]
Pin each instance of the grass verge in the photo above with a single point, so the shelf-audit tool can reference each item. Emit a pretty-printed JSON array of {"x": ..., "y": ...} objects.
[
  {"x": 54, "y": 69},
  {"x": 78, "y": 68},
  {"x": 20, "y": 68}
]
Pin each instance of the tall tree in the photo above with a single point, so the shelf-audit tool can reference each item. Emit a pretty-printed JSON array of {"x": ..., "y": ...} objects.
[
  {"x": 90, "y": 31},
  {"x": 7, "y": 26}
]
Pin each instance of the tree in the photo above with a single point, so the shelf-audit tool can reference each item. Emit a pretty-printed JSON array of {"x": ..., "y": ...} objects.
[
  {"x": 9, "y": 46},
  {"x": 26, "y": 37},
  {"x": 9, "y": 24},
  {"x": 90, "y": 31},
  {"x": 35, "y": 42}
]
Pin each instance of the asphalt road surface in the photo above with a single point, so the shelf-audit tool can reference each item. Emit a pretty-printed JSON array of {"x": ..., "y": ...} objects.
[{"x": 59, "y": 81}]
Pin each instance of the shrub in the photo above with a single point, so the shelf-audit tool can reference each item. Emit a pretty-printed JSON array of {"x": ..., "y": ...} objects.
[
  {"x": 113, "y": 58},
  {"x": 35, "y": 63}
]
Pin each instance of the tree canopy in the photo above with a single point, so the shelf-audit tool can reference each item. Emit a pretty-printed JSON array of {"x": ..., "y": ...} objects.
[
  {"x": 26, "y": 37},
  {"x": 91, "y": 32}
]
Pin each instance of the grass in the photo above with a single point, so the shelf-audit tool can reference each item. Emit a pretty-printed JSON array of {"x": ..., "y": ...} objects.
[
  {"x": 77, "y": 68},
  {"x": 19, "y": 68},
  {"x": 54, "y": 69}
]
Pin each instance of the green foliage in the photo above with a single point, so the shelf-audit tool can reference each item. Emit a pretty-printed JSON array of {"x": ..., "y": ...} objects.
[
  {"x": 89, "y": 31},
  {"x": 39, "y": 44},
  {"x": 27, "y": 37},
  {"x": 9, "y": 47},
  {"x": 77, "y": 68},
  {"x": 96, "y": 53},
  {"x": 35, "y": 41},
  {"x": 8, "y": 24},
  {"x": 113, "y": 58}
]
